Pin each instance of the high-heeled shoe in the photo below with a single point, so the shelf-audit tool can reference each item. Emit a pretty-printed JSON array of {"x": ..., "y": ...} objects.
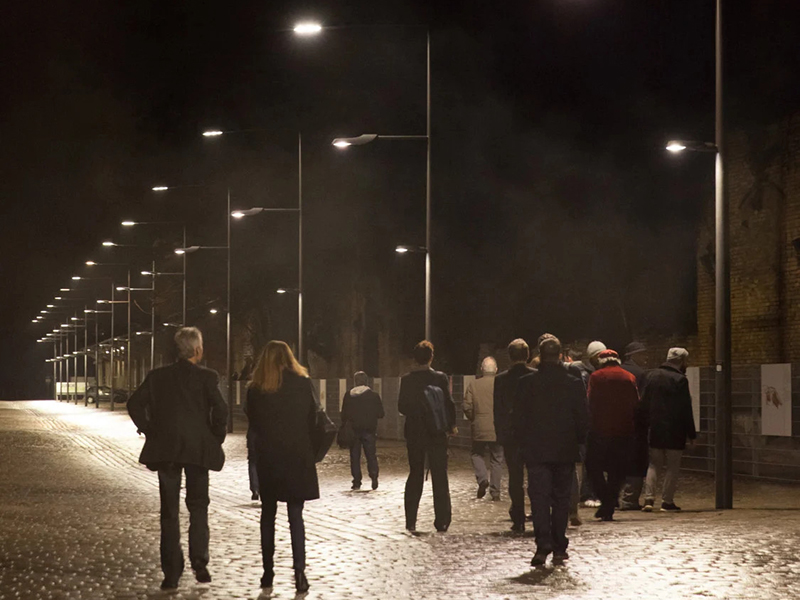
[{"x": 300, "y": 582}]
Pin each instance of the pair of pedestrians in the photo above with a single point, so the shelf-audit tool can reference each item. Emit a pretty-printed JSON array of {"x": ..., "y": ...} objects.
[{"x": 180, "y": 411}]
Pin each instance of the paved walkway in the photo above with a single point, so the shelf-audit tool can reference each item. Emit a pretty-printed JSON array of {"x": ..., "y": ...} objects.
[{"x": 79, "y": 519}]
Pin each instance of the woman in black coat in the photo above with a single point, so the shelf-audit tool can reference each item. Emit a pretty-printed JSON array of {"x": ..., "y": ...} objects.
[{"x": 282, "y": 410}]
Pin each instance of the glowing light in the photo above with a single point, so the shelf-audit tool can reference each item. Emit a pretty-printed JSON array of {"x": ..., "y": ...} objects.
[
  {"x": 676, "y": 147},
  {"x": 108, "y": 244},
  {"x": 342, "y": 143},
  {"x": 90, "y": 263},
  {"x": 237, "y": 214},
  {"x": 129, "y": 223},
  {"x": 307, "y": 28},
  {"x": 160, "y": 188},
  {"x": 212, "y": 133},
  {"x": 51, "y": 306},
  {"x": 180, "y": 251},
  {"x": 213, "y": 311},
  {"x": 76, "y": 278},
  {"x": 401, "y": 249},
  {"x": 280, "y": 291}
]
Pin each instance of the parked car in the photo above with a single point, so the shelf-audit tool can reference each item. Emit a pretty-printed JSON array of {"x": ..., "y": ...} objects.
[{"x": 120, "y": 396}]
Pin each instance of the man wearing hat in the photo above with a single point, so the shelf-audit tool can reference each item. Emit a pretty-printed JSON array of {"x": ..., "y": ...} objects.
[
  {"x": 636, "y": 364},
  {"x": 668, "y": 403},
  {"x": 613, "y": 400},
  {"x": 586, "y": 366}
]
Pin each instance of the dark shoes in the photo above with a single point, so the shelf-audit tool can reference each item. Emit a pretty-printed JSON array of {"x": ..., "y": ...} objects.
[
  {"x": 441, "y": 528},
  {"x": 169, "y": 584},
  {"x": 626, "y": 506},
  {"x": 539, "y": 559},
  {"x": 482, "y": 487},
  {"x": 300, "y": 582},
  {"x": 266, "y": 579},
  {"x": 518, "y": 528},
  {"x": 374, "y": 483},
  {"x": 356, "y": 486},
  {"x": 669, "y": 507},
  {"x": 254, "y": 496},
  {"x": 495, "y": 497},
  {"x": 559, "y": 556},
  {"x": 202, "y": 575},
  {"x": 648, "y": 506}
]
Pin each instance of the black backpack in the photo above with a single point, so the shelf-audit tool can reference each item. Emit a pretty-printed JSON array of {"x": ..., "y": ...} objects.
[{"x": 434, "y": 411}]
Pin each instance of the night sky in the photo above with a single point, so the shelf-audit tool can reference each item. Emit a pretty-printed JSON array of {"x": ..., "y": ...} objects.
[{"x": 555, "y": 205}]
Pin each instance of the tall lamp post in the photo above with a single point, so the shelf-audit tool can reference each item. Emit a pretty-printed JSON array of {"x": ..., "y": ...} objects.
[
  {"x": 723, "y": 453},
  {"x": 346, "y": 142},
  {"x": 240, "y": 214}
]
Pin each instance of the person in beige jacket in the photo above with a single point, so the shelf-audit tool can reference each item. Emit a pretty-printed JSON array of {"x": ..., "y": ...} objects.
[{"x": 479, "y": 408}]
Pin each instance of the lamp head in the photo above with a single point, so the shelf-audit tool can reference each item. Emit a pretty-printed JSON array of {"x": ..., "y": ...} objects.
[{"x": 307, "y": 28}]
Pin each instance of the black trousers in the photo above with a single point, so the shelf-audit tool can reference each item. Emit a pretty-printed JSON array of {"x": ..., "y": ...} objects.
[
  {"x": 169, "y": 484},
  {"x": 436, "y": 451},
  {"x": 607, "y": 464},
  {"x": 297, "y": 529},
  {"x": 550, "y": 488},
  {"x": 516, "y": 482},
  {"x": 366, "y": 440}
]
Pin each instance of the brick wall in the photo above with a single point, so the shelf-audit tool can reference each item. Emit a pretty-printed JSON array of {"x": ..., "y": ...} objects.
[{"x": 763, "y": 178}]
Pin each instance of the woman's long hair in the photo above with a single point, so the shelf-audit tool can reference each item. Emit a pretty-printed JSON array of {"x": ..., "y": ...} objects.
[{"x": 273, "y": 361}]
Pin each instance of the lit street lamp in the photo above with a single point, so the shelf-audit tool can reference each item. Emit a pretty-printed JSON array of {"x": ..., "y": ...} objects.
[{"x": 723, "y": 454}]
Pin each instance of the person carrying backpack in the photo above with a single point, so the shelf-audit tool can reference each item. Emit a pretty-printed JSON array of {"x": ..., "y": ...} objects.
[{"x": 427, "y": 404}]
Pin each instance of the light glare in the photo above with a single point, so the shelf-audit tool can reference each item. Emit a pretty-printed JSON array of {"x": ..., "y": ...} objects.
[
  {"x": 237, "y": 214},
  {"x": 307, "y": 28},
  {"x": 90, "y": 263},
  {"x": 212, "y": 133},
  {"x": 108, "y": 244},
  {"x": 676, "y": 147},
  {"x": 280, "y": 291},
  {"x": 342, "y": 144},
  {"x": 128, "y": 223},
  {"x": 160, "y": 188}
]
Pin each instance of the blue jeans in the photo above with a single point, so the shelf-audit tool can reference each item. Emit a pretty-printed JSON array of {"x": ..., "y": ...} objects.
[
  {"x": 365, "y": 439},
  {"x": 549, "y": 487}
]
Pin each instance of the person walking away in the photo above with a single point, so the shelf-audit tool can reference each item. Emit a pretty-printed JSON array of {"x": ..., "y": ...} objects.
[
  {"x": 427, "y": 404},
  {"x": 588, "y": 365},
  {"x": 550, "y": 422},
  {"x": 479, "y": 409},
  {"x": 668, "y": 405},
  {"x": 362, "y": 407},
  {"x": 613, "y": 400},
  {"x": 181, "y": 412},
  {"x": 636, "y": 364},
  {"x": 505, "y": 384},
  {"x": 283, "y": 408},
  {"x": 252, "y": 470}
]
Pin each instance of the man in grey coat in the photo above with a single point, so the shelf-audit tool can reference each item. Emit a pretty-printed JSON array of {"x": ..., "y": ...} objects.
[
  {"x": 479, "y": 408},
  {"x": 181, "y": 412}
]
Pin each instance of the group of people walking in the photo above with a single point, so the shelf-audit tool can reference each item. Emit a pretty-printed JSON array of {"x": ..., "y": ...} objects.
[{"x": 623, "y": 423}]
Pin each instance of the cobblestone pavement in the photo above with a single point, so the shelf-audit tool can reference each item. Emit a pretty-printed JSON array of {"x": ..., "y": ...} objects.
[{"x": 79, "y": 519}]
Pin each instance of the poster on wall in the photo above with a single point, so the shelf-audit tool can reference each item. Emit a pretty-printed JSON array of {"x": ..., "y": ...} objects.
[
  {"x": 693, "y": 375},
  {"x": 776, "y": 400}
]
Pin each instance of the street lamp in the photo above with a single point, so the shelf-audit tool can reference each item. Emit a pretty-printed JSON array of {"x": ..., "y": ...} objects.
[
  {"x": 723, "y": 453},
  {"x": 129, "y": 223},
  {"x": 240, "y": 214},
  {"x": 307, "y": 28},
  {"x": 346, "y": 142}
]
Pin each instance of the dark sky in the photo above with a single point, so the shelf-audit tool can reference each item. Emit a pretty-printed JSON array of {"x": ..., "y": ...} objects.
[{"x": 555, "y": 207}]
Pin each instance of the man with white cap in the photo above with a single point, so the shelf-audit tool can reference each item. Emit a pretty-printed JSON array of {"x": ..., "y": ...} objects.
[
  {"x": 668, "y": 404},
  {"x": 479, "y": 409},
  {"x": 587, "y": 366}
]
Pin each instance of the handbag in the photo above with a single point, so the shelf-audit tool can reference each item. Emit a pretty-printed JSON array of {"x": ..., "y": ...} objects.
[
  {"x": 346, "y": 435},
  {"x": 324, "y": 432}
]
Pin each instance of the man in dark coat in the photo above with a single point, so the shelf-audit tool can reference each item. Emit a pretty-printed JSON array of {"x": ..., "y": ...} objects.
[
  {"x": 550, "y": 421},
  {"x": 668, "y": 404},
  {"x": 635, "y": 363},
  {"x": 422, "y": 440},
  {"x": 181, "y": 412},
  {"x": 362, "y": 407},
  {"x": 505, "y": 385},
  {"x": 613, "y": 400}
]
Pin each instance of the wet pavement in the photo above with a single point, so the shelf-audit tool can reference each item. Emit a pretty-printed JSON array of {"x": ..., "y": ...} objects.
[{"x": 79, "y": 519}]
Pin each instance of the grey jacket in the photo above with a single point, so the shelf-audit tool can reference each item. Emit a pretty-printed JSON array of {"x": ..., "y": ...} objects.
[{"x": 479, "y": 408}]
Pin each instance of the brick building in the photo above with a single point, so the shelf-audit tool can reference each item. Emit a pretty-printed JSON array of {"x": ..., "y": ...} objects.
[{"x": 763, "y": 177}]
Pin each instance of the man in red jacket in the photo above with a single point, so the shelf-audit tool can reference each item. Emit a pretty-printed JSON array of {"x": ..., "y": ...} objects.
[{"x": 613, "y": 398}]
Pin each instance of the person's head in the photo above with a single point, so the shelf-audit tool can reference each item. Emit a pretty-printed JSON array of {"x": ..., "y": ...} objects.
[
  {"x": 518, "y": 351},
  {"x": 572, "y": 355},
  {"x": 189, "y": 341},
  {"x": 423, "y": 353},
  {"x": 679, "y": 358},
  {"x": 608, "y": 358},
  {"x": 360, "y": 378},
  {"x": 275, "y": 358},
  {"x": 636, "y": 352},
  {"x": 592, "y": 352},
  {"x": 549, "y": 350},
  {"x": 489, "y": 366}
]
